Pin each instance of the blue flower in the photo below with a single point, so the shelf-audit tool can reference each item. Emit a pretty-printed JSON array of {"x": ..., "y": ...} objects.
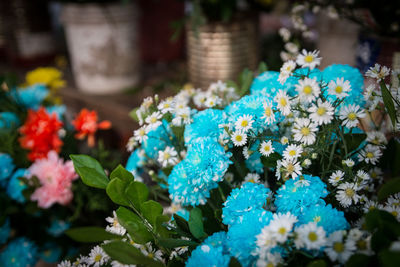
[
  {"x": 135, "y": 162},
  {"x": 5, "y": 231},
  {"x": 267, "y": 84},
  {"x": 353, "y": 75},
  {"x": 295, "y": 196},
  {"x": 192, "y": 179},
  {"x": 50, "y": 252},
  {"x": 8, "y": 120},
  {"x": 6, "y": 166},
  {"x": 58, "y": 227},
  {"x": 30, "y": 97},
  {"x": 16, "y": 186},
  {"x": 250, "y": 196},
  {"x": 212, "y": 252},
  {"x": 242, "y": 236},
  {"x": 326, "y": 216},
  {"x": 21, "y": 252},
  {"x": 158, "y": 139},
  {"x": 205, "y": 124},
  {"x": 59, "y": 110},
  {"x": 253, "y": 163}
]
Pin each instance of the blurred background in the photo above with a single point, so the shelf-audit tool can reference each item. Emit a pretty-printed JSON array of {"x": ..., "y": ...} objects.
[{"x": 115, "y": 53}]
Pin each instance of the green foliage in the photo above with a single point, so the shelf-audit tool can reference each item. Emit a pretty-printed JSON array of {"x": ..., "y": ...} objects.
[
  {"x": 137, "y": 193},
  {"x": 90, "y": 234},
  {"x": 133, "y": 114},
  {"x": 196, "y": 223},
  {"x": 353, "y": 141},
  {"x": 90, "y": 170},
  {"x": 317, "y": 263},
  {"x": 116, "y": 191},
  {"x": 121, "y": 173},
  {"x": 151, "y": 210},
  {"x": 358, "y": 260},
  {"x": 128, "y": 254},
  {"x": 234, "y": 262},
  {"x": 174, "y": 243},
  {"x": 389, "y": 258},
  {"x": 134, "y": 225},
  {"x": 389, "y": 188},
  {"x": 389, "y": 104}
]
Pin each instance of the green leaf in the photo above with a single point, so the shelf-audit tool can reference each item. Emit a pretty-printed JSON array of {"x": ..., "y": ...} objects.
[
  {"x": 270, "y": 161},
  {"x": 174, "y": 243},
  {"x": 181, "y": 223},
  {"x": 116, "y": 191},
  {"x": 358, "y": 260},
  {"x": 389, "y": 188},
  {"x": 160, "y": 228},
  {"x": 353, "y": 141},
  {"x": 90, "y": 171},
  {"x": 317, "y": 263},
  {"x": 389, "y": 258},
  {"x": 388, "y": 101},
  {"x": 121, "y": 173},
  {"x": 133, "y": 114},
  {"x": 137, "y": 193},
  {"x": 234, "y": 262},
  {"x": 128, "y": 254},
  {"x": 90, "y": 234},
  {"x": 246, "y": 78},
  {"x": 196, "y": 223},
  {"x": 150, "y": 210},
  {"x": 262, "y": 67},
  {"x": 134, "y": 225},
  {"x": 379, "y": 219}
]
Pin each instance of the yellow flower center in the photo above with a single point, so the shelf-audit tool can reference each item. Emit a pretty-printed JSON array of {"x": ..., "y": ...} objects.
[
  {"x": 244, "y": 123},
  {"x": 307, "y": 89},
  {"x": 142, "y": 132},
  {"x": 349, "y": 192},
  {"x": 370, "y": 155},
  {"x": 352, "y": 116},
  {"x": 267, "y": 148},
  {"x": 151, "y": 255},
  {"x": 238, "y": 138},
  {"x": 312, "y": 236},
  {"x": 269, "y": 264},
  {"x": 394, "y": 213},
  {"x": 282, "y": 230},
  {"x": 308, "y": 58},
  {"x": 339, "y": 89},
  {"x": 305, "y": 131},
  {"x": 290, "y": 168},
  {"x": 98, "y": 258},
  {"x": 338, "y": 247},
  {"x": 251, "y": 181},
  {"x": 361, "y": 244},
  {"x": 283, "y": 102},
  {"x": 167, "y": 155},
  {"x": 153, "y": 120},
  {"x": 317, "y": 219},
  {"x": 292, "y": 153},
  {"x": 321, "y": 111},
  {"x": 268, "y": 111}
]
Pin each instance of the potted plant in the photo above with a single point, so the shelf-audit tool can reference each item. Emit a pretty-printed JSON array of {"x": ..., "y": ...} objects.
[{"x": 102, "y": 42}]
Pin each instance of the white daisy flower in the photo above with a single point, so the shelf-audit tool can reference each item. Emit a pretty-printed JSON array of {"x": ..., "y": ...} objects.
[
  {"x": 244, "y": 123},
  {"x": 370, "y": 154},
  {"x": 371, "y": 205},
  {"x": 340, "y": 88},
  {"x": 182, "y": 116},
  {"x": 269, "y": 114},
  {"x": 151, "y": 252},
  {"x": 310, "y": 236},
  {"x": 321, "y": 113},
  {"x": 347, "y": 194},
  {"x": 308, "y": 89},
  {"x": 348, "y": 162},
  {"x": 336, "y": 177},
  {"x": 269, "y": 260},
  {"x": 376, "y": 138},
  {"x": 65, "y": 263},
  {"x": 308, "y": 59},
  {"x": 394, "y": 200},
  {"x": 292, "y": 152},
  {"x": 350, "y": 115},
  {"x": 97, "y": 257},
  {"x": 265, "y": 240},
  {"x": 283, "y": 102},
  {"x": 154, "y": 120},
  {"x": 131, "y": 144},
  {"x": 337, "y": 249},
  {"x": 304, "y": 131},
  {"x": 252, "y": 178},
  {"x": 286, "y": 70},
  {"x": 363, "y": 175},
  {"x": 140, "y": 134},
  {"x": 239, "y": 138},
  {"x": 377, "y": 72},
  {"x": 285, "y": 34},
  {"x": 166, "y": 105},
  {"x": 281, "y": 226},
  {"x": 266, "y": 148},
  {"x": 290, "y": 167},
  {"x": 118, "y": 264},
  {"x": 376, "y": 173},
  {"x": 246, "y": 153},
  {"x": 212, "y": 101},
  {"x": 115, "y": 227},
  {"x": 168, "y": 157},
  {"x": 284, "y": 140},
  {"x": 200, "y": 99}
]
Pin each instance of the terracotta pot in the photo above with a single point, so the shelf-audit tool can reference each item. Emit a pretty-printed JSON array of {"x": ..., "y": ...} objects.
[
  {"x": 220, "y": 51},
  {"x": 102, "y": 42}
]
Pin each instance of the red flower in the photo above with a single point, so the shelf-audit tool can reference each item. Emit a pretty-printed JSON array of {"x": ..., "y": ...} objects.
[
  {"x": 40, "y": 134},
  {"x": 86, "y": 125}
]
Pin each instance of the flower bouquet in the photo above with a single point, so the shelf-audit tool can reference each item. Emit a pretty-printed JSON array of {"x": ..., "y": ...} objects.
[
  {"x": 40, "y": 196},
  {"x": 292, "y": 168}
]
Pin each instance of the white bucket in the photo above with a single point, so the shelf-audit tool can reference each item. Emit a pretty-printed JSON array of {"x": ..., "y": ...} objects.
[{"x": 103, "y": 46}]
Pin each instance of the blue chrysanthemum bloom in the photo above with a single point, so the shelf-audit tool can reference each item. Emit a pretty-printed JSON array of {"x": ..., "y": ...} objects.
[
  {"x": 6, "y": 166},
  {"x": 8, "y": 120},
  {"x": 267, "y": 84},
  {"x": 326, "y": 216},
  {"x": 50, "y": 252},
  {"x": 135, "y": 162},
  {"x": 58, "y": 227},
  {"x": 30, "y": 97},
  {"x": 16, "y": 186},
  {"x": 205, "y": 124},
  {"x": 250, "y": 196},
  {"x": 192, "y": 179},
  {"x": 242, "y": 236},
  {"x": 295, "y": 196},
  {"x": 158, "y": 139},
  {"x": 253, "y": 163},
  {"x": 310, "y": 73},
  {"x": 212, "y": 252},
  {"x": 59, "y": 110},
  {"x": 21, "y": 252},
  {"x": 351, "y": 74},
  {"x": 5, "y": 231}
]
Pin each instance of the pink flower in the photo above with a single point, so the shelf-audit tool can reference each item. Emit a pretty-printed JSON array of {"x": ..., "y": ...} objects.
[{"x": 56, "y": 178}]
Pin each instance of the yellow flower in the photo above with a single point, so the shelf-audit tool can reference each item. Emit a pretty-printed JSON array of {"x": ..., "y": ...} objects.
[{"x": 51, "y": 77}]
